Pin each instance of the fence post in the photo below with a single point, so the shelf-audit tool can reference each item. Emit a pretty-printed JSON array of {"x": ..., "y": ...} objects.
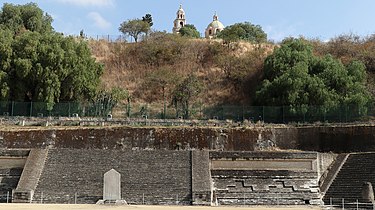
[
  {"x": 12, "y": 108},
  {"x": 330, "y": 202},
  {"x": 143, "y": 199},
  {"x": 31, "y": 108},
  {"x": 7, "y": 196},
  {"x": 75, "y": 198},
  {"x": 263, "y": 118},
  {"x": 41, "y": 197},
  {"x": 343, "y": 204},
  {"x": 177, "y": 199},
  {"x": 357, "y": 204}
]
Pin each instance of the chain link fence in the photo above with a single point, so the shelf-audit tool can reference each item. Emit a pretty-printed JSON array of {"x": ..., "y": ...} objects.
[{"x": 268, "y": 114}]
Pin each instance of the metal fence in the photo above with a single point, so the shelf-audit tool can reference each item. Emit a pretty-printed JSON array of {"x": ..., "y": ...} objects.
[
  {"x": 268, "y": 114},
  {"x": 348, "y": 203}
]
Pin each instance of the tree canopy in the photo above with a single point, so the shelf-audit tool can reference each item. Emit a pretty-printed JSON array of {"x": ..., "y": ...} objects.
[
  {"x": 18, "y": 18},
  {"x": 295, "y": 77},
  {"x": 135, "y": 28},
  {"x": 190, "y": 30},
  {"x": 148, "y": 19},
  {"x": 243, "y": 31},
  {"x": 39, "y": 64}
]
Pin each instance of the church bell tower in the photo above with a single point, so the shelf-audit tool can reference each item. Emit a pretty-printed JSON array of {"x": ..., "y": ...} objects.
[{"x": 180, "y": 21}]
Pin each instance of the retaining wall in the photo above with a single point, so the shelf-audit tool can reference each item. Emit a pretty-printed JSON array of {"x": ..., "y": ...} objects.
[{"x": 323, "y": 139}]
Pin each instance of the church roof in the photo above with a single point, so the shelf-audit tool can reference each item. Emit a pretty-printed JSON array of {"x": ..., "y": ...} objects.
[
  {"x": 180, "y": 10},
  {"x": 216, "y": 23}
]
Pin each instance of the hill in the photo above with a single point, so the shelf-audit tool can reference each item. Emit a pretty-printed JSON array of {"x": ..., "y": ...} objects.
[{"x": 229, "y": 74}]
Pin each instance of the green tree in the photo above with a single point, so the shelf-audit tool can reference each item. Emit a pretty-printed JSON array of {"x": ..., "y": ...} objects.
[
  {"x": 148, "y": 19},
  {"x": 184, "y": 94},
  {"x": 243, "y": 31},
  {"x": 190, "y": 30},
  {"x": 106, "y": 100},
  {"x": 295, "y": 77},
  {"x": 18, "y": 18},
  {"x": 38, "y": 64},
  {"x": 134, "y": 28}
]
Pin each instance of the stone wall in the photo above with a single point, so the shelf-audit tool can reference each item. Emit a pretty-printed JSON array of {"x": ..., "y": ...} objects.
[
  {"x": 323, "y": 139},
  {"x": 11, "y": 167},
  {"x": 264, "y": 178},
  {"x": 149, "y": 177}
]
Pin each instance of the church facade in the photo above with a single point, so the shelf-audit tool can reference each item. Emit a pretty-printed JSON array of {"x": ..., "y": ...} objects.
[{"x": 211, "y": 31}]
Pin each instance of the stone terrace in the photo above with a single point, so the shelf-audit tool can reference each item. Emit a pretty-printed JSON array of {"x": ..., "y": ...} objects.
[
  {"x": 152, "y": 177},
  {"x": 258, "y": 178}
]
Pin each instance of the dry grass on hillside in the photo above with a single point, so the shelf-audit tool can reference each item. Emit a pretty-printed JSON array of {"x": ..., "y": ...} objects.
[{"x": 129, "y": 65}]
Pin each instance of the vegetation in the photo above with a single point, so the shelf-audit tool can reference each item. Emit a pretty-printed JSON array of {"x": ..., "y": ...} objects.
[
  {"x": 190, "y": 31},
  {"x": 135, "y": 28},
  {"x": 184, "y": 93},
  {"x": 39, "y": 64},
  {"x": 295, "y": 77},
  {"x": 243, "y": 31},
  {"x": 148, "y": 19}
]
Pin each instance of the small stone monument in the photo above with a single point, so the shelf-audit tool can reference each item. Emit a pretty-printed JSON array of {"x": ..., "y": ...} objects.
[
  {"x": 367, "y": 192},
  {"x": 112, "y": 189}
]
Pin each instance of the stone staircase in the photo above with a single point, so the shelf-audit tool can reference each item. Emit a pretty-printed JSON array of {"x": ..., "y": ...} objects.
[
  {"x": 358, "y": 168},
  {"x": 149, "y": 177},
  {"x": 30, "y": 176}
]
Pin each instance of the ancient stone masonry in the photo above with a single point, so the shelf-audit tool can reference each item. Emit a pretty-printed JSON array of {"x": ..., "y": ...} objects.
[
  {"x": 322, "y": 139},
  {"x": 11, "y": 167},
  {"x": 148, "y": 177},
  {"x": 241, "y": 178},
  {"x": 348, "y": 184}
]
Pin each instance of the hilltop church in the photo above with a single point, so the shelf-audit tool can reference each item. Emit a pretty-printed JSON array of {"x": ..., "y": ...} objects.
[{"x": 211, "y": 31}]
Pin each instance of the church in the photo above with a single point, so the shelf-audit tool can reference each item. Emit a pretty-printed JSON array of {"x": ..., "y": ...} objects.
[{"x": 211, "y": 31}]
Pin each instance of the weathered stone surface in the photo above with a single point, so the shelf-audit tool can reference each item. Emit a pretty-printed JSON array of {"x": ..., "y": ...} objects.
[
  {"x": 367, "y": 192},
  {"x": 309, "y": 138},
  {"x": 160, "y": 177},
  {"x": 249, "y": 182},
  {"x": 201, "y": 178},
  {"x": 112, "y": 185},
  {"x": 348, "y": 184}
]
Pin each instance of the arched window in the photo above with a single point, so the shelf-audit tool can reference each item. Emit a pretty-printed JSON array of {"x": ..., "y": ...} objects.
[
  {"x": 210, "y": 32},
  {"x": 182, "y": 24}
]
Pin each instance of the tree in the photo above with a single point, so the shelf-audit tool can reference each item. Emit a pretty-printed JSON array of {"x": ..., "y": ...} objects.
[
  {"x": 134, "y": 28},
  {"x": 148, "y": 19},
  {"x": 18, "y": 18},
  {"x": 106, "y": 100},
  {"x": 184, "y": 93},
  {"x": 295, "y": 77},
  {"x": 243, "y": 31},
  {"x": 161, "y": 80},
  {"x": 190, "y": 30},
  {"x": 38, "y": 64}
]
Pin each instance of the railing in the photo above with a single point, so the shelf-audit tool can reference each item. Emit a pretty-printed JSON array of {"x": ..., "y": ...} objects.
[
  {"x": 266, "y": 114},
  {"x": 348, "y": 203}
]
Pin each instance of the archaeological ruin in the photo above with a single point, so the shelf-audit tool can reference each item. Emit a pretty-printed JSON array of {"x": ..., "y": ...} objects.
[{"x": 259, "y": 165}]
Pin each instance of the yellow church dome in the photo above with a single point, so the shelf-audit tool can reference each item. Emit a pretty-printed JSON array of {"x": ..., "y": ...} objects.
[{"x": 214, "y": 27}]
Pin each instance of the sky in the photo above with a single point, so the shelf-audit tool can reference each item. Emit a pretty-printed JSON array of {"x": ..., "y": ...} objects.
[{"x": 321, "y": 19}]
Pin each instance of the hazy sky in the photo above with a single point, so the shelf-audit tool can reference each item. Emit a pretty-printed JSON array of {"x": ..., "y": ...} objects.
[{"x": 323, "y": 19}]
